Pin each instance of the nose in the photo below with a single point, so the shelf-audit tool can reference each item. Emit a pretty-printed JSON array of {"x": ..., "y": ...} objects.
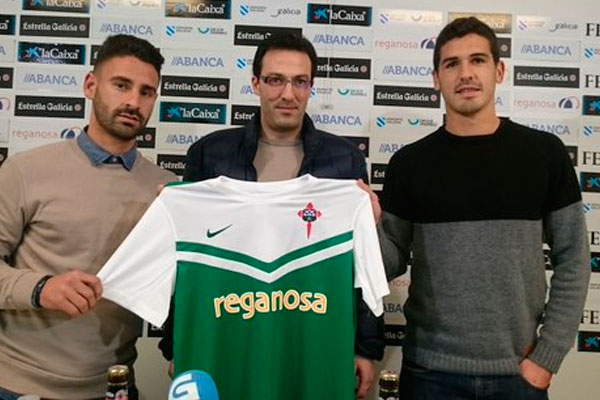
[
  {"x": 466, "y": 72},
  {"x": 133, "y": 100},
  {"x": 288, "y": 90}
]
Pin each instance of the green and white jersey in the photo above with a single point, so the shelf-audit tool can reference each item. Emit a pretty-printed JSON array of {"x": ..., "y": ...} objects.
[{"x": 264, "y": 276}]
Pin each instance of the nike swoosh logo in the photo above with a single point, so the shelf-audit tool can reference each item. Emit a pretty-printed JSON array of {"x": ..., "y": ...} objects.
[{"x": 210, "y": 234}]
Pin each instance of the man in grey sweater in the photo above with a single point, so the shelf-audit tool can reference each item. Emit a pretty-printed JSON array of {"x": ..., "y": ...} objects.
[{"x": 474, "y": 202}]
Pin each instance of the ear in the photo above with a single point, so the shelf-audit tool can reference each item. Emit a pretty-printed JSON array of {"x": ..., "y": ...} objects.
[
  {"x": 500, "y": 71},
  {"x": 436, "y": 80},
  {"x": 256, "y": 85},
  {"x": 89, "y": 85}
]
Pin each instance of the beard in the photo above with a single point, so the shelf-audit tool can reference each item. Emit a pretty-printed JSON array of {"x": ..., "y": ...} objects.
[{"x": 108, "y": 120}]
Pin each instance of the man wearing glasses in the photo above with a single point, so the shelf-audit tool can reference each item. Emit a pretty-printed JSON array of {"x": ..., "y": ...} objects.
[{"x": 281, "y": 143}]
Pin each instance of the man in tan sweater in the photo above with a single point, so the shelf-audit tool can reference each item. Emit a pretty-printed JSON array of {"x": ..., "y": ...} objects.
[{"x": 64, "y": 209}]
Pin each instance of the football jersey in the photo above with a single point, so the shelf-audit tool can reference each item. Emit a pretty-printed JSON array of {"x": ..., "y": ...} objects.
[{"x": 264, "y": 277}]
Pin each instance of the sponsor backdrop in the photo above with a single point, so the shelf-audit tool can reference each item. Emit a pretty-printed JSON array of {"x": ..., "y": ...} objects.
[{"x": 373, "y": 86}]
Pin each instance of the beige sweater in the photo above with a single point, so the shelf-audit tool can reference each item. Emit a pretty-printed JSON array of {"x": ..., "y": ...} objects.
[{"x": 59, "y": 213}]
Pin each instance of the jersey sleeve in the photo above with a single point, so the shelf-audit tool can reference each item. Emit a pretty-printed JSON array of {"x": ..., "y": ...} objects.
[
  {"x": 140, "y": 275},
  {"x": 368, "y": 263}
]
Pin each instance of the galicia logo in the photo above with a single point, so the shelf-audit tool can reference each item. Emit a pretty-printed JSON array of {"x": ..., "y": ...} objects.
[
  {"x": 47, "y": 53},
  {"x": 202, "y": 62},
  {"x": 338, "y": 40},
  {"x": 381, "y": 122},
  {"x": 244, "y": 10},
  {"x": 570, "y": 102},
  {"x": 70, "y": 133},
  {"x": 591, "y": 131},
  {"x": 242, "y": 63},
  {"x": 170, "y": 30},
  {"x": 428, "y": 44},
  {"x": 339, "y": 120},
  {"x": 192, "y": 112},
  {"x": 384, "y": 18}
]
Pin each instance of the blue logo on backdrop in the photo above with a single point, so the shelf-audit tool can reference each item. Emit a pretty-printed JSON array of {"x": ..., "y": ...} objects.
[
  {"x": 570, "y": 102},
  {"x": 428, "y": 44},
  {"x": 381, "y": 122},
  {"x": 192, "y": 112},
  {"x": 191, "y": 61}
]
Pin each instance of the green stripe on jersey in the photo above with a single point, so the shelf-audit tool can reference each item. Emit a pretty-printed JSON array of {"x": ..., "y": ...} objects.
[{"x": 260, "y": 264}]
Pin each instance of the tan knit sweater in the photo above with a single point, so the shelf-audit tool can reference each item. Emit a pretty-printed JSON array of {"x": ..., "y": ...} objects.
[{"x": 59, "y": 213}]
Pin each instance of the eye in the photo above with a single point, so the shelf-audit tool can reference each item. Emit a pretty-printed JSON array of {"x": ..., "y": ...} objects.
[
  {"x": 302, "y": 83},
  {"x": 274, "y": 80},
  {"x": 451, "y": 64}
]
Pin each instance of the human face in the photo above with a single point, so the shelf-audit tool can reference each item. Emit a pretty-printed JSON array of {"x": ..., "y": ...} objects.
[
  {"x": 467, "y": 76},
  {"x": 283, "y": 107},
  {"x": 123, "y": 91}
]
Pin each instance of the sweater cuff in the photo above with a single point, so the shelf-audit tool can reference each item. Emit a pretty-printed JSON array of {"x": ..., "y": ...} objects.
[
  {"x": 23, "y": 289},
  {"x": 548, "y": 356}
]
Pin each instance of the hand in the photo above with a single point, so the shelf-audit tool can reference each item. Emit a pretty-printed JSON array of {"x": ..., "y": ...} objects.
[
  {"x": 374, "y": 200},
  {"x": 365, "y": 371},
  {"x": 74, "y": 293},
  {"x": 171, "y": 370},
  {"x": 537, "y": 376}
]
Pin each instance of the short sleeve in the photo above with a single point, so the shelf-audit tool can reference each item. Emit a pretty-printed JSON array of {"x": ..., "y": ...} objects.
[
  {"x": 368, "y": 263},
  {"x": 140, "y": 275}
]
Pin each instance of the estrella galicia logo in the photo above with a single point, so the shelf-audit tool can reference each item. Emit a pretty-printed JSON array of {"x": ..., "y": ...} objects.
[
  {"x": 51, "y": 53},
  {"x": 339, "y": 14},
  {"x": 251, "y": 35},
  {"x": 591, "y": 105},
  {"x": 192, "y": 112},
  {"x": 171, "y": 162},
  {"x": 34, "y": 25},
  {"x": 546, "y": 76},
  {"x": 213, "y": 9},
  {"x": 406, "y": 96},
  {"x": 73, "y": 6},
  {"x": 378, "y": 173},
  {"x": 595, "y": 261},
  {"x": 590, "y": 182},
  {"x": 3, "y": 155},
  {"x": 146, "y": 139},
  {"x": 241, "y": 115},
  {"x": 54, "y": 107},
  {"x": 588, "y": 341},
  {"x": 6, "y": 78},
  {"x": 505, "y": 46},
  {"x": 188, "y": 86},
  {"x": 394, "y": 335},
  {"x": 7, "y": 24},
  {"x": 347, "y": 68}
]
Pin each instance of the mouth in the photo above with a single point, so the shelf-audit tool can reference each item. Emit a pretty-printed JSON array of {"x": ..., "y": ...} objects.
[
  {"x": 286, "y": 109},
  {"x": 468, "y": 90},
  {"x": 129, "y": 119}
]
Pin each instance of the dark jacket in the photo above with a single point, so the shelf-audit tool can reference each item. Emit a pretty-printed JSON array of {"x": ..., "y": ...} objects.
[{"x": 231, "y": 152}]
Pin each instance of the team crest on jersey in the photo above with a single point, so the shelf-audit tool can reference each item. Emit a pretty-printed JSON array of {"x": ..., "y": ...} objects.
[{"x": 309, "y": 215}]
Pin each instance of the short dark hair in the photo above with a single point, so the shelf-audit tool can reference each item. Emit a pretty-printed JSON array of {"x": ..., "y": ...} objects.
[
  {"x": 128, "y": 45},
  {"x": 285, "y": 41},
  {"x": 461, "y": 27}
]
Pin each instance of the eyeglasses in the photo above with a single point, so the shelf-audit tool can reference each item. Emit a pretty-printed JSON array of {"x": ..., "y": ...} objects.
[{"x": 279, "y": 82}]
